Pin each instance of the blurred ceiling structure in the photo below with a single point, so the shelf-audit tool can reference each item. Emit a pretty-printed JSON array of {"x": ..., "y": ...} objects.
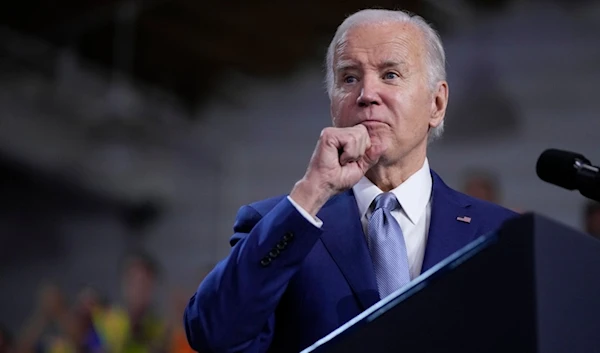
[
  {"x": 61, "y": 139},
  {"x": 182, "y": 46}
]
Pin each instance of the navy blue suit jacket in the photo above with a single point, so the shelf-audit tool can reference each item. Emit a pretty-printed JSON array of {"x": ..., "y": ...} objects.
[{"x": 286, "y": 283}]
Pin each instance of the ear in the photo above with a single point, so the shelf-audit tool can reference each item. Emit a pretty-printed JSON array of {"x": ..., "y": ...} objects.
[{"x": 439, "y": 104}]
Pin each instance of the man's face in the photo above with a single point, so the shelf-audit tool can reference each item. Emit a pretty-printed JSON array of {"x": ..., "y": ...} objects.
[
  {"x": 138, "y": 284},
  {"x": 481, "y": 189},
  {"x": 381, "y": 81}
]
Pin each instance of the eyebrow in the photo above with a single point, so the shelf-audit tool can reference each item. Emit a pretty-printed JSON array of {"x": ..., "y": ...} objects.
[
  {"x": 349, "y": 65},
  {"x": 346, "y": 66},
  {"x": 390, "y": 63}
]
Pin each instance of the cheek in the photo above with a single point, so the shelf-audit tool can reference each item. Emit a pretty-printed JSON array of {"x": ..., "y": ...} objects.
[
  {"x": 340, "y": 109},
  {"x": 415, "y": 110}
]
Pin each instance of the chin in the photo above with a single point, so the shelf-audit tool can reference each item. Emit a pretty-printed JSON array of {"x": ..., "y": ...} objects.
[
  {"x": 391, "y": 155},
  {"x": 386, "y": 161},
  {"x": 377, "y": 139}
]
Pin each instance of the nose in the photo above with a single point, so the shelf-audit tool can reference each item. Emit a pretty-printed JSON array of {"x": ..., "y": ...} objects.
[{"x": 369, "y": 93}]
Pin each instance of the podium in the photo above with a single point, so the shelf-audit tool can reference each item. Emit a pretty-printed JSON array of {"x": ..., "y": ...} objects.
[{"x": 531, "y": 286}]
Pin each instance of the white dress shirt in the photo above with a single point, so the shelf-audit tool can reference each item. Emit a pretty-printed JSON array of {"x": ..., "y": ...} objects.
[{"x": 414, "y": 196}]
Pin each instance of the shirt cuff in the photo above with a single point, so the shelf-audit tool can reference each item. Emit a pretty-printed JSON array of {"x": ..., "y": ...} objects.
[{"x": 314, "y": 220}]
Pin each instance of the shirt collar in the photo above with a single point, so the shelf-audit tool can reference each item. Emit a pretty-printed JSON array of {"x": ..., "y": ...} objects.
[{"x": 413, "y": 195}]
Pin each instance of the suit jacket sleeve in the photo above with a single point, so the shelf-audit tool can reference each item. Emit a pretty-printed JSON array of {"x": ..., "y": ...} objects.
[{"x": 233, "y": 309}]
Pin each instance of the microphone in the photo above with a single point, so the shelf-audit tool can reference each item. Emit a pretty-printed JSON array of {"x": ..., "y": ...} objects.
[{"x": 571, "y": 171}]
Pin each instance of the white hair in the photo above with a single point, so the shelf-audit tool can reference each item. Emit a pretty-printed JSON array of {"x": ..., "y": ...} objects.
[{"x": 435, "y": 58}]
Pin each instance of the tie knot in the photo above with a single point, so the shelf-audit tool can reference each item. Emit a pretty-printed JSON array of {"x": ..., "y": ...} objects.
[{"x": 387, "y": 200}]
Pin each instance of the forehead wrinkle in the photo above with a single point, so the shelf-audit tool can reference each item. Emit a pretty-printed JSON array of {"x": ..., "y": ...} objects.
[
  {"x": 405, "y": 40},
  {"x": 343, "y": 65}
]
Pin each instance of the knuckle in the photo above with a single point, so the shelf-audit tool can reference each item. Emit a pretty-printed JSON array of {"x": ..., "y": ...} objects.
[
  {"x": 326, "y": 134},
  {"x": 352, "y": 138},
  {"x": 360, "y": 137},
  {"x": 361, "y": 129}
]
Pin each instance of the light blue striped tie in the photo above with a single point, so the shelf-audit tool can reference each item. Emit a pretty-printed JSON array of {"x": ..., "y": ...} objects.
[{"x": 386, "y": 243}]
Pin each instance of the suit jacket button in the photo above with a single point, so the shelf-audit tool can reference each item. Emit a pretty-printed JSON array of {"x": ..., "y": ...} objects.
[
  {"x": 274, "y": 253},
  {"x": 282, "y": 245},
  {"x": 288, "y": 236},
  {"x": 266, "y": 261}
]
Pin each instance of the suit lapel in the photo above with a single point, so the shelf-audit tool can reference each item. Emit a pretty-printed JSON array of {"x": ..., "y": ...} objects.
[
  {"x": 447, "y": 234},
  {"x": 344, "y": 238}
]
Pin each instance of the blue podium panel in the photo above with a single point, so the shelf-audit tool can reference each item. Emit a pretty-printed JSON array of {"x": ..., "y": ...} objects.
[{"x": 532, "y": 286}]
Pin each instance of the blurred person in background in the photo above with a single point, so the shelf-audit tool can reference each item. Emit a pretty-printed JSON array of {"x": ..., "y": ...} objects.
[
  {"x": 592, "y": 218},
  {"x": 50, "y": 329},
  {"x": 134, "y": 326},
  {"x": 366, "y": 218},
  {"x": 482, "y": 184},
  {"x": 6, "y": 341},
  {"x": 88, "y": 305},
  {"x": 177, "y": 340}
]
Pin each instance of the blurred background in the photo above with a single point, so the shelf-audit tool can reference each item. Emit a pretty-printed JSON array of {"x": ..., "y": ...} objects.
[{"x": 131, "y": 131}]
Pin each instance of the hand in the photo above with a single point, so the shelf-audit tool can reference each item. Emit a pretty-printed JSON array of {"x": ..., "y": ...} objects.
[{"x": 342, "y": 156}]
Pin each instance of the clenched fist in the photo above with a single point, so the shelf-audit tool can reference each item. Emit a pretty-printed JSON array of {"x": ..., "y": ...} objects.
[{"x": 342, "y": 156}]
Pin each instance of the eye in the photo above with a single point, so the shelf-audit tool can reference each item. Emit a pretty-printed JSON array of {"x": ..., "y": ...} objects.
[
  {"x": 349, "y": 79},
  {"x": 390, "y": 75}
]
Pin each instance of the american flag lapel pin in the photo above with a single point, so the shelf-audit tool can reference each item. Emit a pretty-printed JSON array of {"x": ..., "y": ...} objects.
[{"x": 464, "y": 219}]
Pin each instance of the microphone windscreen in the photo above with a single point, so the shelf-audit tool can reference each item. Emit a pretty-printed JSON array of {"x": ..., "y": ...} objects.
[{"x": 558, "y": 167}]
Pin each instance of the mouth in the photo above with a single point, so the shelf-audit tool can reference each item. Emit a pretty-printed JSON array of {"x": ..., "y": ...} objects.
[{"x": 373, "y": 123}]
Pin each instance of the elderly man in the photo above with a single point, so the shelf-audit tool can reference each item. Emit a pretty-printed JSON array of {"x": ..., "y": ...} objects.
[{"x": 367, "y": 217}]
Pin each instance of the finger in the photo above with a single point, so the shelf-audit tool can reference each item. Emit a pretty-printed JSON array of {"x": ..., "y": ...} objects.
[
  {"x": 361, "y": 134},
  {"x": 371, "y": 157},
  {"x": 360, "y": 128},
  {"x": 357, "y": 141},
  {"x": 351, "y": 148}
]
